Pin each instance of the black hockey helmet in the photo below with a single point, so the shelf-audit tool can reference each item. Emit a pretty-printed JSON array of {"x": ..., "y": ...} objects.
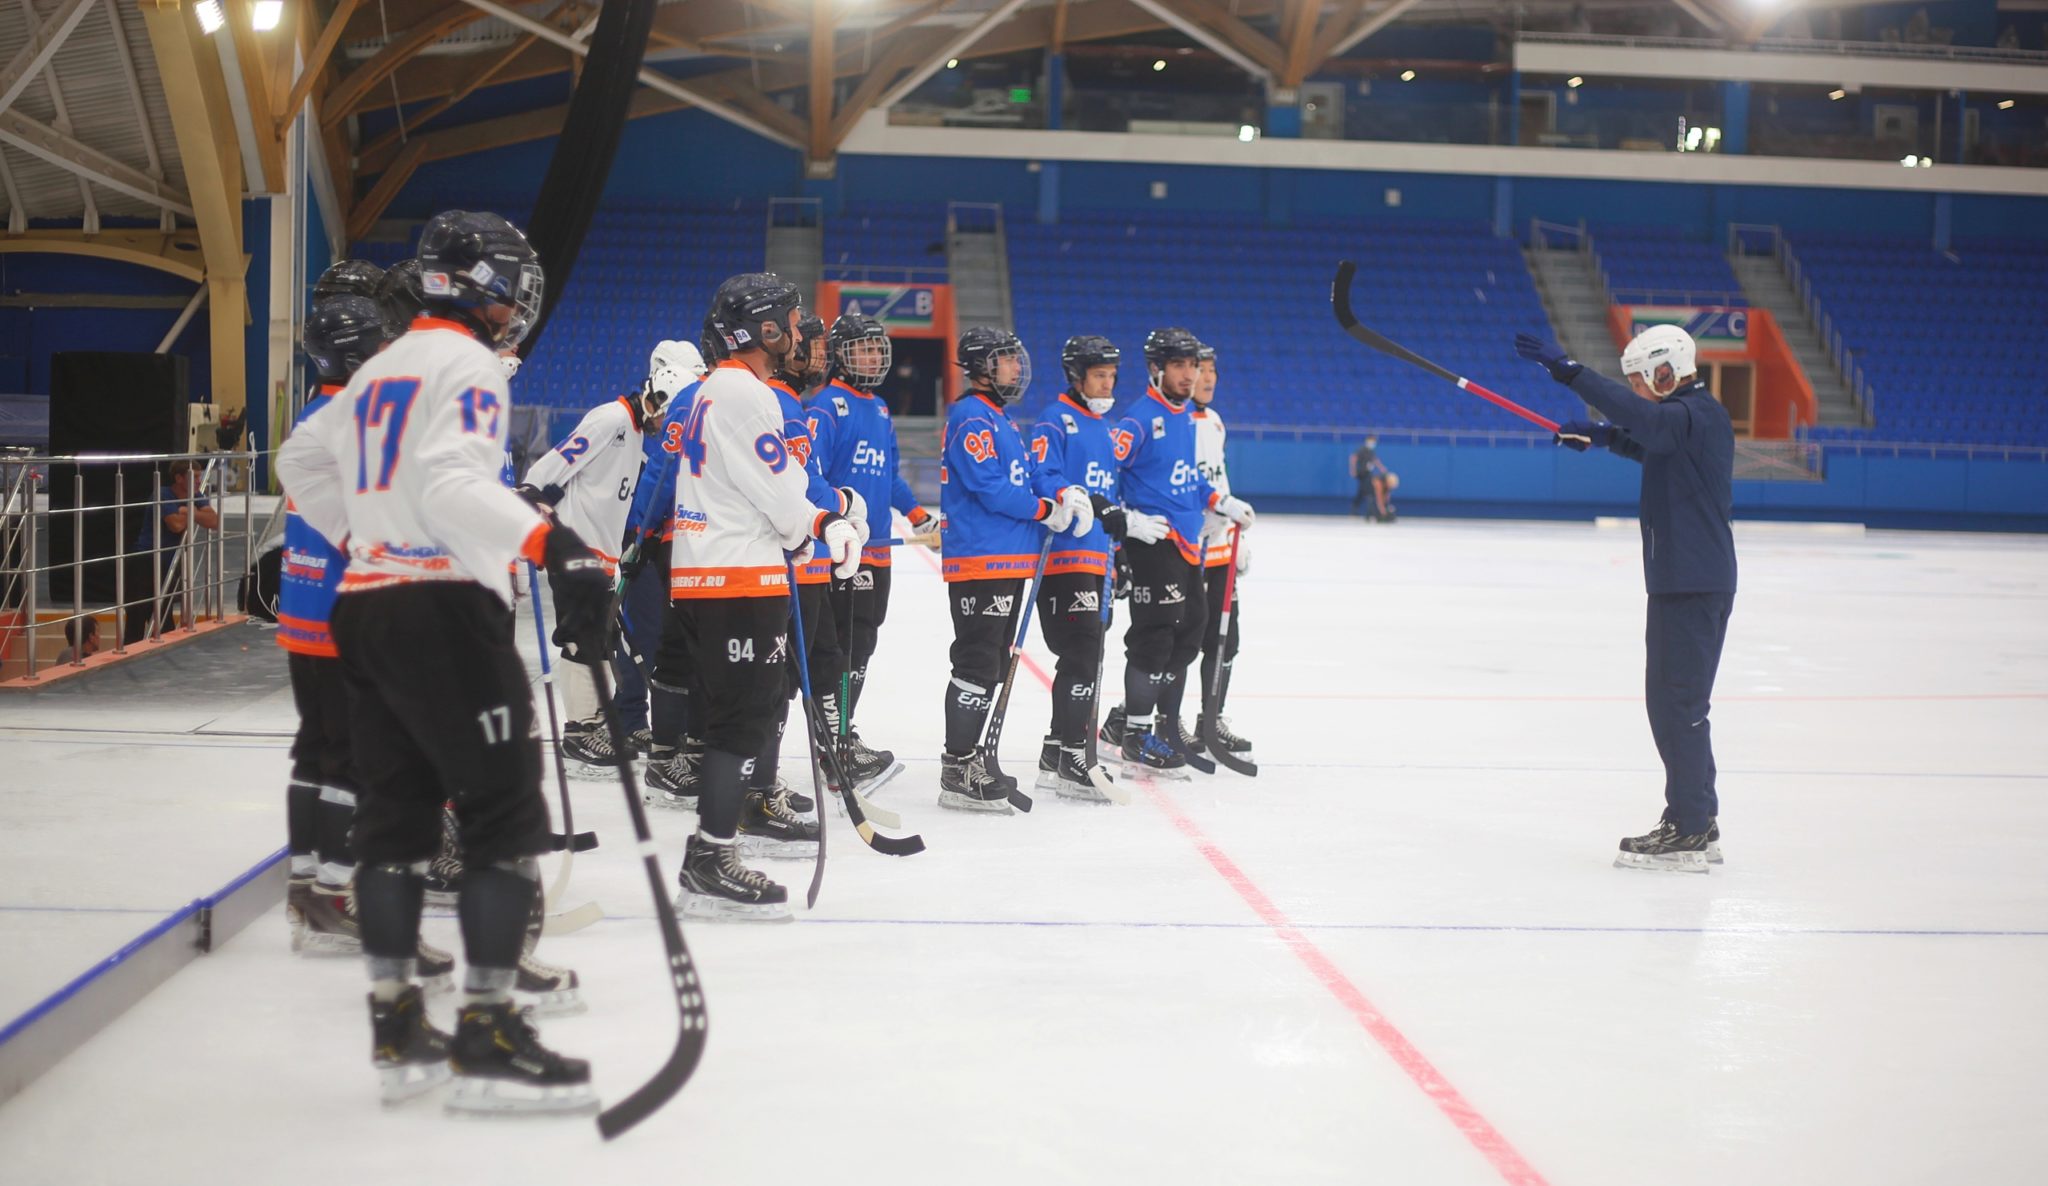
[
  {"x": 348, "y": 277},
  {"x": 341, "y": 333},
  {"x": 980, "y": 349},
  {"x": 1206, "y": 353},
  {"x": 750, "y": 310},
  {"x": 399, "y": 295},
  {"x": 853, "y": 358},
  {"x": 710, "y": 345},
  {"x": 803, "y": 367},
  {"x": 1084, "y": 351},
  {"x": 1164, "y": 345},
  {"x": 472, "y": 263}
]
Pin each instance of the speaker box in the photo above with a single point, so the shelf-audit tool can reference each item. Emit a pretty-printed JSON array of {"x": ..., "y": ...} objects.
[{"x": 105, "y": 402}]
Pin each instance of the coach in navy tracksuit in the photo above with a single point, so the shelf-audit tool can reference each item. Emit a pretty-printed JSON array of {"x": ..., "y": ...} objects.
[{"x": 1668, "y": 420}]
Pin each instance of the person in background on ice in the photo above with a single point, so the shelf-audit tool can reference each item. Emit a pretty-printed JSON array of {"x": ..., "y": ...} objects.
[
  {"x": 1668, "y": 421},
  {"x": 1217, "y": 541},
  {"x": 856, "y": 440},
  {"x": 742, "y": 504},
  {"x": 1070, "y": 445},
  {"x": 996, "y": 519},
  {"x": 587, "y": 482},
  {"x": 404, "y": 465},
  {"x": 1165, "y": 496}
]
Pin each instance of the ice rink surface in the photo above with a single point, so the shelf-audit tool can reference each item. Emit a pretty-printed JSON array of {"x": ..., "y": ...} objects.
[{"x": 1400, "y": 955}]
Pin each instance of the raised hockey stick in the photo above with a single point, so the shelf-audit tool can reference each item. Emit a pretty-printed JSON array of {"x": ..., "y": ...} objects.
[
  {"x": 992, "y": 735},
  {"x": 1219, "y": 684},
  {"x": 895, "y": 846},
  {"x": 692, "y": 1021},
  {"x": 1097, "y": 776},
  {"x": 1340, "y": 302},
  {"x": 559, "y": 921}
]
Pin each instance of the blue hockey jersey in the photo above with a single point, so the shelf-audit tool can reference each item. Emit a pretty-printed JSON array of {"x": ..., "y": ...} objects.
[
  {"x": 1071, "y": 446},
  {"x": 856, "y": 440},
  {"x": 1155, "y": 446},
  {"x": 310, "y": 572},
  {"x": 796, "y": 437},
  {"x": 654, "y": 498},
  {"x": 987, "y": 492}
]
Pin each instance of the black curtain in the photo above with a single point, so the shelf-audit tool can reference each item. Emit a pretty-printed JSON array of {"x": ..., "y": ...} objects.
[{"x": 583, "y": 153}]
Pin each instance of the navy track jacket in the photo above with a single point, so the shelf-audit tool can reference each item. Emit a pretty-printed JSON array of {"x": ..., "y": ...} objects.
[{"x": 1687, "y": 449}]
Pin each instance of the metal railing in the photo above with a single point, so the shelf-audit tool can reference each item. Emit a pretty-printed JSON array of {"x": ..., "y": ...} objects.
[
  {"x": 884, "y": 274},
  {"x": 1629, "y": 295},
  {"x": 1801, "y": 45},
  {"x": 161, "y": 581},
  {"x": 1846, "y": 364}
]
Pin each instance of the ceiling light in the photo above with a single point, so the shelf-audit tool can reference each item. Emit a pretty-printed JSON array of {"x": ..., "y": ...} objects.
[
  {"x": 211, "y": 18},
  {"x": 952, "y": 63},
  {"x": 1575, "y": 82},
  {"x": 267, "y": 14},
  {"x": 1925, "y": 163},
  {"x": 1837, "y": 93},
  {"x": 2005, "y": 104},
  {"x": 1159, "y": 64},
  {"x": 1407, "y": 76},
  {"x": 1247, "y": 133}
]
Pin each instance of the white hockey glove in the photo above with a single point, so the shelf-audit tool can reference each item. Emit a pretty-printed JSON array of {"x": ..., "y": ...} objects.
[
  {"x": 1146, "y": 529},
  {"x": 1235, "y": 509},
  {"x": 1057, "y": 516},
  {"x": 1244, "y": 555},
  {"x": 852, "y": 505},
  {"x": 843, "y": 540},
  {"x": 1082, "y": 511}
]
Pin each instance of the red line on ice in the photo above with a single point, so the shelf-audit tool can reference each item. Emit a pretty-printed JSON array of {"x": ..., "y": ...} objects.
[{"x": 1504, "y": 1157}]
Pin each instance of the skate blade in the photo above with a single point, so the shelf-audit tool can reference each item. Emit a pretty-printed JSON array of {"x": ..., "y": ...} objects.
[
  {"x": 552, "y": 1002},
  {"x": 403, "y": 1084},
  {"x": 1714, "y": 853},
  {"x": 590, "y": 772},
  {"x": 325, "y": 944},
  {"x": 960, "y": 802},
  {"x": 1047, "y": 781},
  {"x": 656, "y": 797},
  {"x": 1079, "y": 792},
  {"x": 770, "y": 848},
  {"x": 870, "y": 785},
  {"x": 475, "y": 1095},
  {"x": 1134, "y": 769},
  {"x": 715, "y": 909},
  {"x": 1670, "y": 862}
]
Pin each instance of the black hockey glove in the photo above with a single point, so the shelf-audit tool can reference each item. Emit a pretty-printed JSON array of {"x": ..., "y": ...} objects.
[
  {"x": 542, "y": 500},
  {"x": 583, "y": 596},
  {"x": 1123, "y": 576},
  {"x": 1110, "y": 515},
  {"x": 1548, "y": 355}
]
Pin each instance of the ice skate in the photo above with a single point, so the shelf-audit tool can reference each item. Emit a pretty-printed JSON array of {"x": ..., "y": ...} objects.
[
  {"x": 1072, "y": 778},
  {"x": 716, "y": 886},
  {"x": 548, "y": 990},
  {"x": 770, "y": 828},
  {"x": 410, "y": 1055},
  {"x": 1146, "y": 752},
  {"x": 501, "y": 1068},
  {"x": 1663, "y": 849},
  {"x": 589, "y": 755},
  {"x": 966, "y": 785},
  {"x": 672, "y": 781},
  {"x": 328, "y": 923}
]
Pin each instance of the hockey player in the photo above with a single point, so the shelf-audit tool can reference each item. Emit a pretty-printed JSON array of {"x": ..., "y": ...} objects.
[
  {"x": 404, "y": 465},
  {"x": 741, "y": 503},
  {"x": 1669, "y": 421},
  {"x": 1070, "y": 445},
  {"x": 588, "y": 481},
  {"x": 1165, "y": 495},
  {"x": 1216, "y": 551},
  {"x": 772, "y": 816},
  {"x": 996, "y": 517},
  {"x": 349, "y": 277},
  {"x": 856, "y": 442}
]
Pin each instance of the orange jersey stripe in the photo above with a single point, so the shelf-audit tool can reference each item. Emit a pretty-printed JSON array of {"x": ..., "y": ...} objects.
[
  {"x": 1065, "y": 562},
  {"x": 986, "y": 568},
  {"x": 762, "y": 581}
]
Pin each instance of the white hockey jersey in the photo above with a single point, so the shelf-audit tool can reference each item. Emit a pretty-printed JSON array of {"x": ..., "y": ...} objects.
[
  {"x": 402, "y": 468},
  {"x": 1209, "y": 436},
  {"x": 597, "y": 467},
  {"x": 741, "y": 499}
]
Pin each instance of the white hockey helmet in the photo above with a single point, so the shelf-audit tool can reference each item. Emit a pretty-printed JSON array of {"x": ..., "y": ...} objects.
[
  {"x": 673, "y": 366},
  {"x": 1661, "y": 346}
]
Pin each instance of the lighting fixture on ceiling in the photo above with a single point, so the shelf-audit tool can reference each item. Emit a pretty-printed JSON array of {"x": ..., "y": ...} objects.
[
  {"x": 266, "y": 15},
  {"x": 211, "y": 15},
  {"x": 1575, "y": 82},
  {"x": 1407, "y": 76}
]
